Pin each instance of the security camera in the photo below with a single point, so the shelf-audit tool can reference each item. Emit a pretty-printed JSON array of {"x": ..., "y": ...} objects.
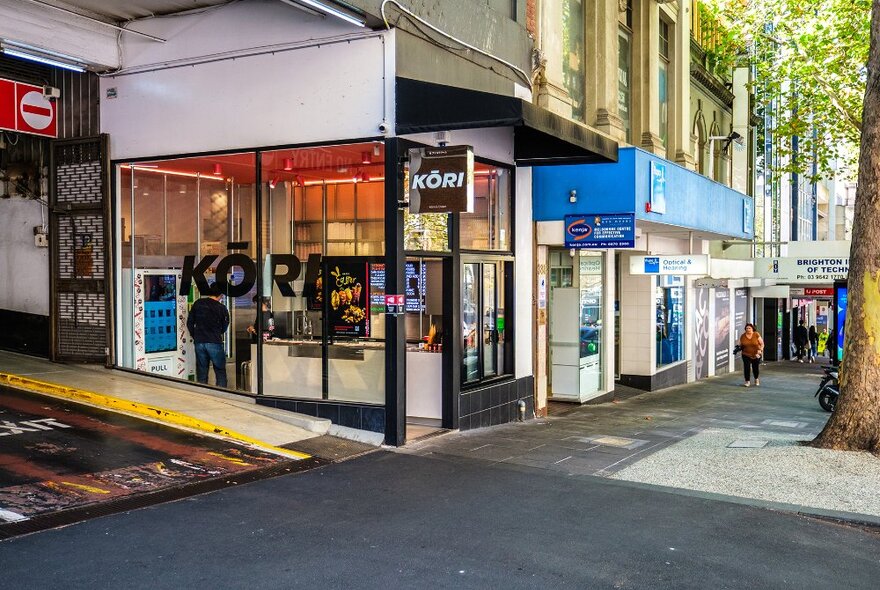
[
  {"x": 572, "y": 196},
  {"x": 384, "y": 127},
  {"x": 51, "y": 92}
]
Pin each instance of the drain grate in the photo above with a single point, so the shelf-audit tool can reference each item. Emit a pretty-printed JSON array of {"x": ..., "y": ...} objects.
[{"x": 331, "y": 448}]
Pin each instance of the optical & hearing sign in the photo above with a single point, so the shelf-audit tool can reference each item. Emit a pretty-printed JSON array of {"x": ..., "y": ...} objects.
[{"x": 441, "y": 180}]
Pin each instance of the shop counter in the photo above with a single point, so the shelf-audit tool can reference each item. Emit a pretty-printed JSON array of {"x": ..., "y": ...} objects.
[
  {"x": 424, "y": 384},
  {"x": 293, "y": 368}
]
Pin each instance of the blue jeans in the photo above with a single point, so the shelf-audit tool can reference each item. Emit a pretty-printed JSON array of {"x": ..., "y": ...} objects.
[{"x": 213, "y": 353}]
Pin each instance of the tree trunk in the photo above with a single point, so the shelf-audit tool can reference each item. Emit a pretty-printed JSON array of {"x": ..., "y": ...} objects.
[{"x": 855, "y": 424}]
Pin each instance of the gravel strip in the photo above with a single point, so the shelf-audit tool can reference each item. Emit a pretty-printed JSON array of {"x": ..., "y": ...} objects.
[{"x": 783, "y": 471}]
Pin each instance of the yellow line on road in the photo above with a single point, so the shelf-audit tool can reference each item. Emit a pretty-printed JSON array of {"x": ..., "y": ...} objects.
[
  {"x": 235, "y": 460},
  {"x": 140, "y": 409},
  {"x": 90, "y": 489}
]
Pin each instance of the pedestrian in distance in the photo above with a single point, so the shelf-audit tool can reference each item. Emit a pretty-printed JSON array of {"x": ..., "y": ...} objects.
[
  {"x": 207, "y": 323},
  {"x": 814, "y": 343},
  {"x": 752, "y": 346},
  {"x": 823, "y": 342},
  {"x": 801, "y": 341}
]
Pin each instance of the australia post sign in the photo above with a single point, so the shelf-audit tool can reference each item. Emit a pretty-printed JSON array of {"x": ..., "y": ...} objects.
[
  {"x": 441, "y": 179},
  {"x": 23, "y": 108}
]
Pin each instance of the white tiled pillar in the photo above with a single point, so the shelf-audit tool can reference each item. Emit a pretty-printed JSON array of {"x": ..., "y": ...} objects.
[{"x": 638, "y": 351}]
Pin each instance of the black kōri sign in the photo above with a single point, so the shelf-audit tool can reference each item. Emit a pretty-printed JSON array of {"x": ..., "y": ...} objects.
[{"x": 441, "y": 179}]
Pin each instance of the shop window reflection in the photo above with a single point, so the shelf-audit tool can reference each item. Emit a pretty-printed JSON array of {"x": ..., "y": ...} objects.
[
  {"x": 670, "y": 320},
  {"x": 488, "y": 227},
  {"x": 484, "y": 329}
]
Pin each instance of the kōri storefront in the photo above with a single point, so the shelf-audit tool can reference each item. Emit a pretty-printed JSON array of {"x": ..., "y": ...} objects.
[
  {"x": 275, "y": 162},
  {"x": 328, "y": 300}
]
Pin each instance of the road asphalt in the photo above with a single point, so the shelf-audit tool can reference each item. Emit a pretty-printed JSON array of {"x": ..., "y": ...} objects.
[{"x": 390, "y": 520}]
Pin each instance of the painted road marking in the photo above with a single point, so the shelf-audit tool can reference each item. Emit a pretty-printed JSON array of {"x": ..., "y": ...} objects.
[
  {"x": 10, "y": 516},
  {"x": 90, "y": 489},
  {"x": 235, "y": 460},
  {"x": 30, "y": 426}
]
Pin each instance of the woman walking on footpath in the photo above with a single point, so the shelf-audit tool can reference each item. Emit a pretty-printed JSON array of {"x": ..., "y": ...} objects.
[{"x": 752, "y": 350}]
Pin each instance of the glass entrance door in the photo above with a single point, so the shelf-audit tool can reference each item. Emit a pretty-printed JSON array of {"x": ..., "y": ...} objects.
[{"x": 483, "y": 320}]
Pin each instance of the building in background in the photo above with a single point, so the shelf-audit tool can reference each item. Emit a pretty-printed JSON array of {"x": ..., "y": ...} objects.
[{"x": 636, "y": 309}]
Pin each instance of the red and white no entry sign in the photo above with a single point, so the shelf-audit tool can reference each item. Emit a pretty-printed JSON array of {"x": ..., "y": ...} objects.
[
  {"x": 36, "y": 110},
  {"x": 23, "y": 108}
]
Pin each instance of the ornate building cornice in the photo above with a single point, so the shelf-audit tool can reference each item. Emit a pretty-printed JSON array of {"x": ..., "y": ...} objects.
[{"x": 712, "y": 84}]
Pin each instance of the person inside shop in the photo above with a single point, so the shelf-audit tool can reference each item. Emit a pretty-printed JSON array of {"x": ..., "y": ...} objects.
[
  {"x": 813, "y": 335},
  {"x": 752, "y": 346},
  {"x": 268, "y": 321},
  {"x": 207, "y": 323},
  {"x": 801, "y": 341}
]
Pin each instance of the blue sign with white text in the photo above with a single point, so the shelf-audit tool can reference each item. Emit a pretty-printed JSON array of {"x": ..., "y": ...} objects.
[
  {"x": 607, "y": 230},
  {"x": 652, "y": 265}
]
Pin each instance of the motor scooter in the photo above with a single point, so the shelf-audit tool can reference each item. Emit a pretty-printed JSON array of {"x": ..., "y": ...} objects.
[{"x": 829, "y": 389}]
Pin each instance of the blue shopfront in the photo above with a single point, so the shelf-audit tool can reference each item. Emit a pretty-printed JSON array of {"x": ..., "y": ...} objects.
[{"x": 648, "y": 322}]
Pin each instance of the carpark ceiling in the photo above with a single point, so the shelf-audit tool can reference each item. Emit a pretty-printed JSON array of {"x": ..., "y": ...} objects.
[
  {"x": 87, "y": 31},
  {"x": 119, "y": 11}
]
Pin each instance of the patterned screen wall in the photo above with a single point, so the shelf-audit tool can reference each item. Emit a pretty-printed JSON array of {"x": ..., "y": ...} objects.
[{"x": 80, "y": 283}]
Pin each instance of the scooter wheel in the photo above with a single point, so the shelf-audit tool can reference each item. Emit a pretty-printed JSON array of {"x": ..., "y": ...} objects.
[{"x": 827, "y": 401}]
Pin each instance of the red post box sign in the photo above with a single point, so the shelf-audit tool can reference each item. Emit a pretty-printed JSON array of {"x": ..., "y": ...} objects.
[{"x": 24, "y": 109}]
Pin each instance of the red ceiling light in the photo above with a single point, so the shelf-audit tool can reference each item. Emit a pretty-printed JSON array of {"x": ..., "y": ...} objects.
[
  {"x": 366, "y": 158},
  {"x": 288, "y": 164},
  {"x": 218, "y": 170}
]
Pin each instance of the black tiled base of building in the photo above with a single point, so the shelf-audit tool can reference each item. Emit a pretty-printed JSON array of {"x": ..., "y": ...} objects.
[{"x": 496, "y": 403}]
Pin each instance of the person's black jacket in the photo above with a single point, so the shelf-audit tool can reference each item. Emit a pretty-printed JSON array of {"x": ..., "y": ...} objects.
[
  {"x": 207, "y": 321},
  {"x": 814, "y": 335},
  {"x": 801, "y": 336}
]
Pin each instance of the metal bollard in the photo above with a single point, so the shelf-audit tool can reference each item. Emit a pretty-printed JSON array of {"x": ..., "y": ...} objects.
[{"x": 521, "y": 406}]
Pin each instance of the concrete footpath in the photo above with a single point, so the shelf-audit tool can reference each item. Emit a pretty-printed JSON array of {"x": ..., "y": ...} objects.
[
  {"x": 186, "y": 406},
  {"x": 713, "y": 439}
]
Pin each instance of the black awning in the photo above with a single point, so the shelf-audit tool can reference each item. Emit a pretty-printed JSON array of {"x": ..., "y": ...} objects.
[{"x": 540, "y": 137}]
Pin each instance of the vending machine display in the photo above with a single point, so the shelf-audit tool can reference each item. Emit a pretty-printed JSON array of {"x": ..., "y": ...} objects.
[{"x": 160, "y": 313}]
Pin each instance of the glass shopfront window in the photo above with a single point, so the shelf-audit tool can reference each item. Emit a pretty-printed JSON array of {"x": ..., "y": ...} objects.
[
  {"x": 670, "y": 314},
  {"x": 170, "y": 209},
  {"x": 488, "y": 227},
  {"x": 325, "y": 205},
  {"x": 301, "y": 257}
]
